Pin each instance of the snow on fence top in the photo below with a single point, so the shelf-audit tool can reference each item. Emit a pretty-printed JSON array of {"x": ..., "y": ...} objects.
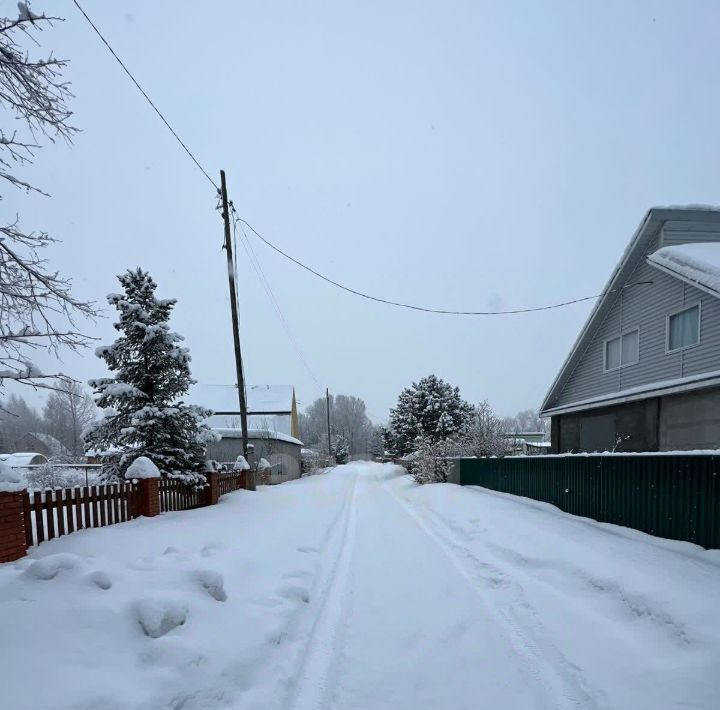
[
  {"x": 697, "y": 262},
  {"x": 142, "y": 467},
  {"x": 10, "y": 481},
  {"x": 241, "y": 464}
]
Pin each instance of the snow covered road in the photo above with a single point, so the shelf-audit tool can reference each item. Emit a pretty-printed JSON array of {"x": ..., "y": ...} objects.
[{"x": 359, "y": 589}]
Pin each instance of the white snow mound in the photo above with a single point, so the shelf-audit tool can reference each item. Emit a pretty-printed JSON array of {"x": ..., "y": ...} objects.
[
  {"x": 241, "y": 464},
  {"x": 158, "y": 617},
  {"x": 142, "y": 467},
  {"x": 49, "y": 567},
  {"x": 10, "y": 480},
  {"x": 212, "y": 582}
]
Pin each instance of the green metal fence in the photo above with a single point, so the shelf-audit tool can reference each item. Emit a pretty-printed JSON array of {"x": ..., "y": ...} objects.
[{"x": 674, "y": 496}]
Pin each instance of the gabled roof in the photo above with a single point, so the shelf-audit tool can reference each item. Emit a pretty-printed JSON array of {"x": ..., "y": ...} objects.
[
  {"x": 260, "y": 398},
  {"x": 633, "y": 254}
]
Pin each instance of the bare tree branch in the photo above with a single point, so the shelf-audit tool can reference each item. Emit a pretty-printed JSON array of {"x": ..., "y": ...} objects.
[{"x": 37, "y": 308}]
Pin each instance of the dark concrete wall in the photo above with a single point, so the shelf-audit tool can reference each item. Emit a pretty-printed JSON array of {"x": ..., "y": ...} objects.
[
  {"x": 634, "y": 423},
  {"x": 678, "y": 422},
  {"x": 690, "y": 421}
]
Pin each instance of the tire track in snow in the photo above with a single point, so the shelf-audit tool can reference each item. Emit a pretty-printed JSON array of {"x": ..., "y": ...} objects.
[
  {"x": 563, "y": 682},
  {"x": 311, "y": 686}
]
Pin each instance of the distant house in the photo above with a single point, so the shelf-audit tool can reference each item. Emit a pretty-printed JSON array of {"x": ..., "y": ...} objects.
[
  {"x": 644, "y": 373},
  {"x": 44, "y": 444},
  {"x": 527, "y": 443},
  {"x": 282, "y": 451},
  {"x": 270, "y": 407}
]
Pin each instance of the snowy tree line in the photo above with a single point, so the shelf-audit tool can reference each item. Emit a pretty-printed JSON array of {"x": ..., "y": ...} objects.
[
  {"x": 351, "y": 431},
  {"x": 68, "y": 411},
  {"x": 526, "y": 421}
]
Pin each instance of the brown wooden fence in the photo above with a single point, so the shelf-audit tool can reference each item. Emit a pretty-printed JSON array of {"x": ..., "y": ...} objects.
[
  {"x": 176, "y": 495},
  {"x": 53, "y": 513},
  {"x": 27, "y": 519},
  {"x": 232, "y": 481}
]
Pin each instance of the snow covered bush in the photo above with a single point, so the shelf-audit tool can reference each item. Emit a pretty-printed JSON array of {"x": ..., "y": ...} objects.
[
  {"x": 144, "y": 414},
  {"x": 429, "y": 410},
  {"x": 341, "y": 449},
  {"x": 431, "y": 462},
  {"x": 480, "y": 434},
  {"x": 55, "y": 474}
]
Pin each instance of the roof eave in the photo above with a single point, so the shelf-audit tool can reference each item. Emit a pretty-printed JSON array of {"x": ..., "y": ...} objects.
[{"x": 708, "y": 381}]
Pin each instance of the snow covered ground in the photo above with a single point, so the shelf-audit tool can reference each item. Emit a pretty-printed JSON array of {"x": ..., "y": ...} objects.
[{"x": 359, "y": 589}]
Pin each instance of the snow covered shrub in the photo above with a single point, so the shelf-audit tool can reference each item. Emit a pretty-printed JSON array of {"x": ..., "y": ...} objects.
[
  {"x": 47, "y": 476},
  {"x": 431, "y": 461},
  {"x": 431, "y": 410},
  {"x": 341, "y": 448},
  {"x": 144, "y": 414}
]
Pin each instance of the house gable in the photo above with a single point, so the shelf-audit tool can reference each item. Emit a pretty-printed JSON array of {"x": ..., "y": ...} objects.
[{"x": 640, "y": 296}]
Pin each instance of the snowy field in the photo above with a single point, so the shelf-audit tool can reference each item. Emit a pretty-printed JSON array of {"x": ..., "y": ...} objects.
[{"x": 359, "y": 590}]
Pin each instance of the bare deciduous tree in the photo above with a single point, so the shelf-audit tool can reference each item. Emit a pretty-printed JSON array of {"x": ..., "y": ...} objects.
[
  {"x": 482, "y": 433},
  {"x": 37, "y": 308},
  {"x": 69, "y": 410}
]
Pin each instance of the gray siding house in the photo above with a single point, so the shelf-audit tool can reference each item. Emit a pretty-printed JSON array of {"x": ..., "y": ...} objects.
[{"x": 644, "y": 373}]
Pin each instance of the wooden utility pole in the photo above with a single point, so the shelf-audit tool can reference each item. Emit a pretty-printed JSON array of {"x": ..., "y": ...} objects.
[
  {"x": 234, "y": 312},
  {"x": 327, "y": 407}
]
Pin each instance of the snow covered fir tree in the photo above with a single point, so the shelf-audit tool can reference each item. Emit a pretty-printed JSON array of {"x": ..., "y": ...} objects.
[
  {"x": 144, "y": 415},
  {"x": 430, "y": 410}
]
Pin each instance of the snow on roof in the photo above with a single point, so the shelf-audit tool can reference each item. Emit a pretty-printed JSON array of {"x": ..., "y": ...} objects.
[
  {"x": 23, "y": 458},
  {"x": 260, "y": 398},
  {"x": 697, "y": 263},
  {"x": 232, "y": 433}
]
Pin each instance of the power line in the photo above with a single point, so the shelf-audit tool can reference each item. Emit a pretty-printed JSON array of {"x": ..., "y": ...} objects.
[
  {"x": 422, "y": 308},
  {"x": 265, "y": 283},
  {"x": 147, "y": 98},
  {"x": 355, "y": 292}
]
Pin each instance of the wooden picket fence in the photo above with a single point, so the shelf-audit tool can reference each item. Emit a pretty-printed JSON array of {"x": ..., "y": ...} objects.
[
  {"x": 175, "y": 495},
  {"x": 232, "y": 481},
  {"x": 65, "y": 510},
  {"x": 53, "y": 513}
]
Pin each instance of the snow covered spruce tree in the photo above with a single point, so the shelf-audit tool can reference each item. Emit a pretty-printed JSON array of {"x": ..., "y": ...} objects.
[
  {"x": 144, "y": 416},
  {"x": 429, "y": 411}
]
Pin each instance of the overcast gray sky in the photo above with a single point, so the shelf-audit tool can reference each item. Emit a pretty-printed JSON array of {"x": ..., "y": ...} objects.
[{"x": 463, "y": 155}]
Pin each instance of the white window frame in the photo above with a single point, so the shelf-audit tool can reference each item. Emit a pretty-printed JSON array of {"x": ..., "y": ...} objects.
[
  {"x": 698, "y": 305},
  {"x": 620, "y": 337}
]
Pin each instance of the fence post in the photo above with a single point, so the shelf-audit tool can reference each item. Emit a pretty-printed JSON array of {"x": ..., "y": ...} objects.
[
  {"x": 249, "y": 480},
  {"x": 212, "y": 490},
  {"x": 13, "y": 543},
  {"x": 148, "y": 497}
]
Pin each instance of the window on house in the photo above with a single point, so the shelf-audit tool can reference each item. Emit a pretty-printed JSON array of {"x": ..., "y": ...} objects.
[
  {"x": 623, "y": 350},
  {"x": 683, "y": 328}
]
